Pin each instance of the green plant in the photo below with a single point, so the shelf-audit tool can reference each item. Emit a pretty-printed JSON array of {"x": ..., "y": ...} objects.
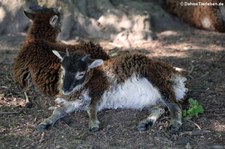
[{"x": 195, "y": 108}]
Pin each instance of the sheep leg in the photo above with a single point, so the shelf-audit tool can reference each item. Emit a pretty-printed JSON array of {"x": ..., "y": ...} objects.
[
  {"x": 28, "y": 102},
  {"x": 60, "y": 112},
  {"x": 93, "y": 120},
  {"x": 50, "y": 121},
  {"x": 155, "y": 113},
  {"x": 176, "y": 117}
]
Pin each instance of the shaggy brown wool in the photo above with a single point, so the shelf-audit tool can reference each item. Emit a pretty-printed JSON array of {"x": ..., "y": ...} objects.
[
  {"x": 123, "y": 67},
  {"x": 195, "y": 15},
  {"x": 35, "y": 63},
  {"x": 126, "y": 81}
]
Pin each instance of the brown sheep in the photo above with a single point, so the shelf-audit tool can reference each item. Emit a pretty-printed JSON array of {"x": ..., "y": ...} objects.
[
  {"x": 204, "y": 17},
  {"x": 35, "y": 63},
  {"x": 130, "y": 81}
]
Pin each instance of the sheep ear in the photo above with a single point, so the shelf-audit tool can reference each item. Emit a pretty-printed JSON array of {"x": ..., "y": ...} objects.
[
  {"x": 95, "y": 63},
  {"x": 60, "y": 55},
  {"x": 57, "y": 10},
  {"x": 86, "y": 57},
  {"x": 30, "y": 15},
  {"x": 53, "y": 20},
  {"x": 67, "y": 52}
]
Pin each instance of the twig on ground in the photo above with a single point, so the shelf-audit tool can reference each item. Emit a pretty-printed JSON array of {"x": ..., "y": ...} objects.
[
  {"x": 17, "y": 112},
  {"x": 195, "y": 124},
  {"x": 4, "y": 87},
  {"x": 191, "y": 70},
  {"x": 202, "y": 76},
  {"x": 42, "y": 137},
  {"x": 195, "y": 133},
  {"x": 221, "y": 58},
  {"x": 163, "y": 140}
]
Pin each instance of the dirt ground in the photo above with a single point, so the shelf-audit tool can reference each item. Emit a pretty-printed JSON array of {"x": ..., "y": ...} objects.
[{"x": 200, "y": 53}]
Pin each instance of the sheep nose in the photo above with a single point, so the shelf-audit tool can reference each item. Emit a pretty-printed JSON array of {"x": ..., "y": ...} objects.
[
  {"x": 66, "y": 93},
  {"x": 66, "y": 88}
]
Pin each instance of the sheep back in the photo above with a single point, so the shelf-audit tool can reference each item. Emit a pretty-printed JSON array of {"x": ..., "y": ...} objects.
[{"x": 36, "y": 63}]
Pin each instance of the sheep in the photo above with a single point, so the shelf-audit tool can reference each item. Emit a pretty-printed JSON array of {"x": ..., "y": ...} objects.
[
  {"x": 35, "y": 63},
  {"x": 130, "y": 81},
  {"x": 205, "y": 17}
]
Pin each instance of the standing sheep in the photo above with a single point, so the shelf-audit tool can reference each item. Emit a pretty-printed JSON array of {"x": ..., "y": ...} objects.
[
  {"x": 130, "y": 81},
  {"x": 35, "y": 63}
]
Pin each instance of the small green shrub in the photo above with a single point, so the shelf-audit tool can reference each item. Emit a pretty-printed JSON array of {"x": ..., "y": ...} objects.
[{"x": 195, "y": 108}]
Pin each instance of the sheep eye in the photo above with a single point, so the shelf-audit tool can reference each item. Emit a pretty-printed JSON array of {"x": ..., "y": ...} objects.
[{"x": 80, "y": 75}]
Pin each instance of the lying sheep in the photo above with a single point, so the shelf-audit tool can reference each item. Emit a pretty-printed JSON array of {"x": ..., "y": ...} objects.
[
  {"x": 35, "y": 63},
  {"x": 205, "y": 17},
  {"x": 130, "y": 81}
]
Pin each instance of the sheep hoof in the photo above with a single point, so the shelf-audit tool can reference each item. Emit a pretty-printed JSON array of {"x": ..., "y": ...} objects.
[
  {"x": 42, "y": 127},
  {"x": 94, "y": 126},
  {"x": 94, "y": 129},
  {"x": 145, "y": 125},
  {"x": 29, "y": 105},
  {"x": 175, "y": 128}
]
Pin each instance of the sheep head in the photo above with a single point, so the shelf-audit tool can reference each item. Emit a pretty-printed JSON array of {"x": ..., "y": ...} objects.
[
  {"x": 75, "y": 70},
  {"x": 46, "y": 22}
]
